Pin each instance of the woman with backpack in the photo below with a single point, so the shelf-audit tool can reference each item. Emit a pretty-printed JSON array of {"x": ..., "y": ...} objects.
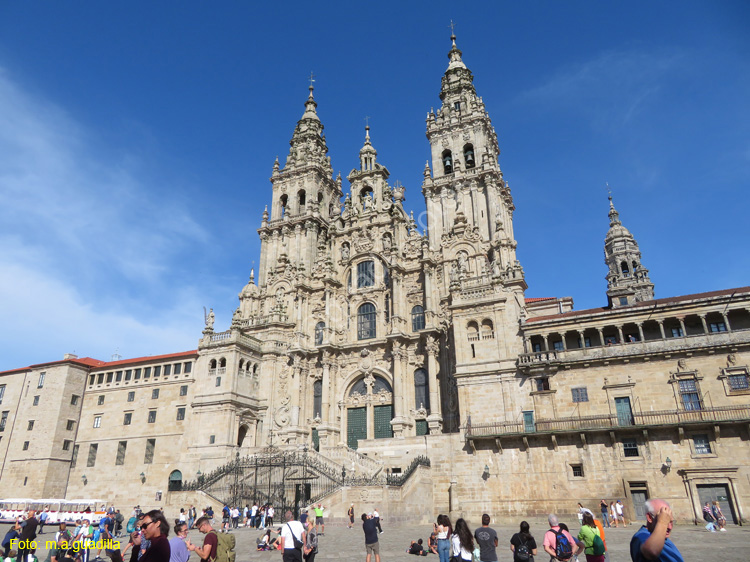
[
  {"x": 462, "y": 542},
  {"x": 591, "y": 539},
  {"x": 523, "y": 545}
]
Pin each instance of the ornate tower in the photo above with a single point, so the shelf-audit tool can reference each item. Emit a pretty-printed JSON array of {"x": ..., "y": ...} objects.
[
  {"x": 627, "y": 280},
  {"x": 304, "y": 197},
  {"x": 478, "y": 282}
]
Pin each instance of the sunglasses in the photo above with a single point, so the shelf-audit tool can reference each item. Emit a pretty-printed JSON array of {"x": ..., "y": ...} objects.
[{"x": 143, "y": 527}]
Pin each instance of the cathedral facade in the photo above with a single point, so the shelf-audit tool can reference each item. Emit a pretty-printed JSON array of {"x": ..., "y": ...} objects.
[{"x": 370, "y": 343}]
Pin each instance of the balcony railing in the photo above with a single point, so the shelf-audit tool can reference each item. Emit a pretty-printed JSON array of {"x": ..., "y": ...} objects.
[{"x": 612, "y": 421}]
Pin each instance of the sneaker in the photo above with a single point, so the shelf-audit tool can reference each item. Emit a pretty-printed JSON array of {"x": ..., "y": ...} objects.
[
  {"x": 381, "y": 532},
  {"x": 722, "y": 529}
]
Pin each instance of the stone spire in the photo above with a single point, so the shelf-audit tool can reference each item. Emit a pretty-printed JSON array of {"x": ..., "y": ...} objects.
[
  {"x": 368, "y": 153},
  {"x": 308, "y": 143},
  {"x": 627, "y": 281}
]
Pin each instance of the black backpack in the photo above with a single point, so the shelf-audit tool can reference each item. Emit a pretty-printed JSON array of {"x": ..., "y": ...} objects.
[{"x": 522, "y": 550}]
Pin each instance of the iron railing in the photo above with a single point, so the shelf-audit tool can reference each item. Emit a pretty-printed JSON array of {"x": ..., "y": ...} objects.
[{"x": 610, "y": 421}]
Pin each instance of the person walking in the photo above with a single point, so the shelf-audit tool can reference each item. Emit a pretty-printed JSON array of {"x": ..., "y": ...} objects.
[
  {"x": 620, "y": 514},
  {"x": 371, "y": 537},
  {"x": 487, "y": 540},
  {"x": 613, "y": 512},
  {"x": 588, "y": 535},
  {"x": 350, "y": 514},
  {"x": 311, "y": 543},
  {"x": 719, "y": 516},
  {"x": 444, "y": 532},
  {"x": 291, "y": 532},
  {"x": 523, "y": 545},
  {"x": 462, "y": 542},
  {"x": 605, "y": 514}
]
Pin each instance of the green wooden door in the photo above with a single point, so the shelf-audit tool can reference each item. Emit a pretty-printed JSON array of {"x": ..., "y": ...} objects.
[
  {"x": 356, "y": 426},
  {"x": 315, "y": 439},
  {"x": 422, "y": 428},
  {"x": 383, "y": 417},
  {"x": 624, "y": 412}
]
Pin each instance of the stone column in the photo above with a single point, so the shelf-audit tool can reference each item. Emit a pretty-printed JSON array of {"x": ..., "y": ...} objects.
[
  {"x": 703, "y": 321},
  {"x": 601, "y": 336},
  {"x": 640, "y": 332},
  {"x": 619, "y": 332},
  {"x": 581, "y": 339},
  {"x": 661, "y": 329},
  {"x": 726, "y": 321},
  {"x": 682, "y": 325},
  {"x": 546, "y": 343},
  {"x": 398, "y": 422},
  {"x": 325, "y": 407},
  {"x": 435, "y": 419}
]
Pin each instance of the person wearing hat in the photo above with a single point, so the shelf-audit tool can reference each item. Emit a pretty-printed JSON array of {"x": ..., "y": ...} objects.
[{"x": 350, "y": 513}]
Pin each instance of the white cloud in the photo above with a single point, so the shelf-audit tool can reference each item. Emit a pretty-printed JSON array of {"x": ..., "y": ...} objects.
[
  {"x": 82, "y": 230},
  {"x": 611, "y": 88}
]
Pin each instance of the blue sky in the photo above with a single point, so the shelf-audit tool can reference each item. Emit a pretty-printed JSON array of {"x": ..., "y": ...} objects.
[{"x": 137, "y": 139}]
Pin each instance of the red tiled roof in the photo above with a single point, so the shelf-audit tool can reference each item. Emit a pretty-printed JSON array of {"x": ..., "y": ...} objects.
[
  {"x": 539, "y": 299},
  {"x": 96, "y": 363},
  {"x": 145, "y": 359},
  {"x": 643, "y": 304}
]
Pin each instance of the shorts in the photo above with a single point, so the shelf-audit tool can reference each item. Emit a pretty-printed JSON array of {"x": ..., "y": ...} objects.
[
  {"x": 319, "y": 520},
  {"x": 351, "y": 519},
  {"x": 225, "y": 519},
  {"x": 373, "y": 548}
]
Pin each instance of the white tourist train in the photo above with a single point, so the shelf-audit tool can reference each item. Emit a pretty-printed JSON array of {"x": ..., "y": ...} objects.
[{"x": 59, "y": 509}]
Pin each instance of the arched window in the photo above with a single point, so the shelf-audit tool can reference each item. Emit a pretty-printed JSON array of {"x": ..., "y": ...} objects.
[
  {"x": 624, "y": 268},
  {"x": 417, "y": 318},
  {"x": 175, "y": 481},
  {"x": 317, "y": 399},
  {"x": 488, "y": 331},
  {"x": 222, "y": 362},
  {"x": 241, "y": 434},
  {"x": 284, "y": 200},
  {"x": 421, "y": 390},
  {"x": 255, "y": 369},
  {"x": 447, "y": 162},
  {"x": 387, "y": 310},
  {"x": 320, "y": 197},
  {"x": 242, "y": 363},
  {"x": 365, "y": 274},
  {"x": 386, "y": 277},
  {"x": 366, "y": 317},
  {"x": 469, "y": 156},
  {"x": 472, "y": 329},
  {"x": 349, "y": 281},
  {"x": 301, "y": 199},
  {"x": 319, "y": 329},
  {"x": 212, "y": 364},
  {"x": 635, "y": 266}
]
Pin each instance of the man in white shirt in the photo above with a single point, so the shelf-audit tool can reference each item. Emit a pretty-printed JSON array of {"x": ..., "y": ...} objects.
[{"x": 289, "y": 531}]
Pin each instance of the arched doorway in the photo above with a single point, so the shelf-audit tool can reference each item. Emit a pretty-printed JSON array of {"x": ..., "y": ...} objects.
[
  {"x": 369, "y": 405},
  {"x": 175, "y": 481},
  {"x": 241, "y": 434}
]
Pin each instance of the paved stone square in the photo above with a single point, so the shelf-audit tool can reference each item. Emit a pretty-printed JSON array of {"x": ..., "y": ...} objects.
[{"x": 340, "y": 543}]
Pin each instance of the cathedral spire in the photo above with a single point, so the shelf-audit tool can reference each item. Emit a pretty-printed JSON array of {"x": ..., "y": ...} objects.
[
  {"x": 368, "y": 153},
  {"x": 627, "y": 281}
]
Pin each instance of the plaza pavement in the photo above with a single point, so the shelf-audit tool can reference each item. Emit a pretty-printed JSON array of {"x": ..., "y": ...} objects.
[{"x": 340, "y": 543}]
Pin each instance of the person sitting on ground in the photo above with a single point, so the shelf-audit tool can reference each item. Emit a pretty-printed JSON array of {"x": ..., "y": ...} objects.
[
  {"x": 11, "y": 556},
  {"x": 266, "y": 542},
  {"x": 416, "y": 548},
  {"x": 432, "y": 542}
]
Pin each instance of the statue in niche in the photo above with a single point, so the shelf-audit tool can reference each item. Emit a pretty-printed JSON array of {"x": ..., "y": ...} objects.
[
  {"x": 345, "y": 252},
  {"x": 463, "y": 262},
  {"x": 387, "y": 242},
  {"x": 367, "y": 202},
  {"x": 454, "y": 271}
]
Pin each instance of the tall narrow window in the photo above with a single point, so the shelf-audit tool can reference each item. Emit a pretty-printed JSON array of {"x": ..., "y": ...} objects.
[
  {"x": 180, "y": 414},
  {"x": 128, "y": 418},
  {"x": 150, "y": 446},
  {"x": 366, "y": 320},
  {"x": 319, "y": 329},
  {"x": 417, "y": 318},
  {"x": 41, "y": 380},
  {"x": 447, "y": 162},
  {"x": 188, "y": 367},
  {"x": 469, "y": 156},
  {"x": 152, "y": 416},
  {"x": 2, "y": 392},
  {"x": 74, "y": 456},
  {"x": 365, "y": 274},
  {"x": 93, "y": 448},
  {"x": 421, "y": 390},
  {"x": 121, "y": 447},
  {"x": 97, "y": 421},
  {"x": 177, "y": 368},
  {"x": 4, "y": 420},
  {"x": 690, "y": 395},
  {"x": 318, "y": 399}
]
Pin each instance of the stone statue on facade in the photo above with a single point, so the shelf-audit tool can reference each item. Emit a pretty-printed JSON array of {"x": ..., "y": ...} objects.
[{"x": 209, "y": 318}]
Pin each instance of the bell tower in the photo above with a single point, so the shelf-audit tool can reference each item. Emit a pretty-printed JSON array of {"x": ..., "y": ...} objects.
[
  {"x": 465, "y": 190},
  {"x": 305, "y": 196},
  {"x": 627, "y": 281}
]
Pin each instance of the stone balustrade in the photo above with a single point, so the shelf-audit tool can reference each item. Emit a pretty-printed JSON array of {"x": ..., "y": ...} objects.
[{"x": 663, "y": 418}]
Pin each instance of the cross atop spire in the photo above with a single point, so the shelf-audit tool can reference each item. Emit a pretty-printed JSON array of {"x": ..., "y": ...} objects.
[
  {"x": 312, "y": 79},
  {"x": 453, "y": 32}
]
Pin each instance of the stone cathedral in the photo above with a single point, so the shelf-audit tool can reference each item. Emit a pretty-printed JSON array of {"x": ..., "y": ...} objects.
[{"x": 369, "y": 345}]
